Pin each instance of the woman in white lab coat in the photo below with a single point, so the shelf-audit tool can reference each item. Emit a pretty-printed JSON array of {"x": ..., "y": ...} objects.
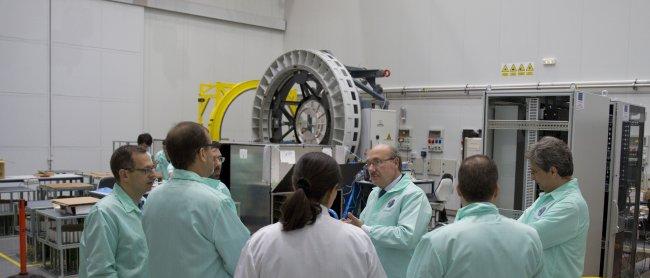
[{"x": 308, "y": 242}]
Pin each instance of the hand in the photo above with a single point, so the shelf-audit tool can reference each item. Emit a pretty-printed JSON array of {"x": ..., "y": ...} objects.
[{"x": 353, "y": 220}]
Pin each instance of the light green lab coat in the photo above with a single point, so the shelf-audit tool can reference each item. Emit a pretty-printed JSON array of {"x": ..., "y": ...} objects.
[
  {"x": 480, "y": 243},
  {"x": 162, "y": 164},
  {"x": 221, "y": 187},
  {"x": 218, "y": 185},
  {"x": 396, "y": 223},
  {"x": 192, "y": 229},
  {"x": 561, "y": 219},
  {"x": 113, "y": 243}
]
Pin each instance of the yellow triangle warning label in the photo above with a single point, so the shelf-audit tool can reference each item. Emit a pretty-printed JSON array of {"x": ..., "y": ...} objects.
[
  {"x": 530, "y": 69},
  {"x": 521, "y": 70},
  {"x": 513, "y": 70},
  {"x": 388, "y": 137},
  {"x": 504, "y": 70}
]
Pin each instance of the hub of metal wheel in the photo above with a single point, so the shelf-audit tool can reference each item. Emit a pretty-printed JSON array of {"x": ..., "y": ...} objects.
[{"x": 312, "y": 120}]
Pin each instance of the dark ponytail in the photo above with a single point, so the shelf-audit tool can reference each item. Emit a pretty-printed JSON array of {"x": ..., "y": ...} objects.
[
  {"x": 314, "y": 175},
  {"x": 299, "y": 210}
]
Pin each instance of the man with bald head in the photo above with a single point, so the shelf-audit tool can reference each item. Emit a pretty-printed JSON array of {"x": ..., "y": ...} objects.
[
  {"x": 192, "y": 229},
  {"x": 397, "y": 211}
]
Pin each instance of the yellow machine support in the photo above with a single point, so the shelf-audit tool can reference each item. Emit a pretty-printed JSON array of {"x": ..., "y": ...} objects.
[{"x": 224, "y": 94}]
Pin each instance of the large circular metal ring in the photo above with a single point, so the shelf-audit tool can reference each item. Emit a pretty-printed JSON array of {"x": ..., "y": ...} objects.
[{"x": 328, "y": 112}]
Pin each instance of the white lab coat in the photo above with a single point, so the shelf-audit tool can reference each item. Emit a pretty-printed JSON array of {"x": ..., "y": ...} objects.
[{"x": 327, "y": 248}]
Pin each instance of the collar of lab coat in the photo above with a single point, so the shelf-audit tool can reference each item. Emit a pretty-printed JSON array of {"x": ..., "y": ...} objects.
[
  {"x": 211, "y": 182},
  {"x": 393, "y": 183},
  {"x": 324, "y": 211},
  {"x": 124, "y": 199},
  {"x": 180, "y": 174},
  {"x": 476, "y": 209},
  {"x": 564, "y": 189},
  {"x": 398, "y": 184}
]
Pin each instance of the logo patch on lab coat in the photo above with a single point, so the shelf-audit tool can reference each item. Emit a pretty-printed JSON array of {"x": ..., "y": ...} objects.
[
  {"x": 541, "y": 211},
  {"x": 390, "y": 203}
]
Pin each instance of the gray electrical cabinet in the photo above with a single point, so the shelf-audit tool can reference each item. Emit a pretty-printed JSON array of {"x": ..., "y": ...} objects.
[
  {"x": 516, "y": 120},
  {"x": 624, "y": 157},
  {"x": 378, "y": 126},
  {"x": 259, "y": 177}
]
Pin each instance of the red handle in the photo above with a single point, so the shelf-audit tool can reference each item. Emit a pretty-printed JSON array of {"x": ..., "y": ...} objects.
[{"x": 23, "y": 238}]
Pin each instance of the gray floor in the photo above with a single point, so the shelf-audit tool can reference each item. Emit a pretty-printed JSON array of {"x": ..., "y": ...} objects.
[{"x": 9, "y": 247}]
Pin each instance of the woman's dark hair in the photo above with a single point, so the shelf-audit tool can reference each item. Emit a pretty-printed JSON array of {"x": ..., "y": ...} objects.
[{"x": 313, "y": 176}]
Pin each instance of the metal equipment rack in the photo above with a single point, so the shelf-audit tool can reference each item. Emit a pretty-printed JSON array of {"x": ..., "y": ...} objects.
[
  {"x": 9, "y": 208},
  {"x": 63, "y": 246}
]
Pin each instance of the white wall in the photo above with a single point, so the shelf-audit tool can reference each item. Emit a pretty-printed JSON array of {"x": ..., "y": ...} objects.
[
  {"x": 120, "y": 69},
  {"x": 91, "y": 71},
  {"x": 108, "y": 71},
  {"x": 428, "y": 43},
  {"x": 96, "y": 80},
  {"x": 270, "y": 8},
  {"x": 267, "y": 13},
  {"x": 335, "y": 26},
  {"x": 24, "y": 84},
  {"x": 184, "y": 51},
  {"x": 458, "y": 42}
]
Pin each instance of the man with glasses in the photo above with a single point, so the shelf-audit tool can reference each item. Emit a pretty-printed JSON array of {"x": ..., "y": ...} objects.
[
  {"x": 213, "y": 181},
  {"x": 397, "y": 212},
  {"x": 560, "y": 214},
  {"x": 192, "y": 229},
  {"x": 113, "y": 243}
]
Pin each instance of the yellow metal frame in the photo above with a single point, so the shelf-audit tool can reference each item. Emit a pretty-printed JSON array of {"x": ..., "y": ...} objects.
[{"x": 224, "y": 94}]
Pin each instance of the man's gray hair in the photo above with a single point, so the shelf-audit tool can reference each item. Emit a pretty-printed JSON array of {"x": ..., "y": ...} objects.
[
  {"x": 395, "y": 153},
  {"x": 550, "y": 151}
]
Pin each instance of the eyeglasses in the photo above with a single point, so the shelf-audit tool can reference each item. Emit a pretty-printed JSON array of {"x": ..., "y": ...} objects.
[
  {"x": 146, "y": 171},
  {"x": 221, "y": 159},
  {"x": 377, "y": 162}
]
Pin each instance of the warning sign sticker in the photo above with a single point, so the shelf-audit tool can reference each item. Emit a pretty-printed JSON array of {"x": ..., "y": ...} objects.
[
  {"x": 517, "y": 69},
  {"x": 505, "y": 71},
  {"x": 521, "y": 70},
  {"x": 530, "y": 69}
]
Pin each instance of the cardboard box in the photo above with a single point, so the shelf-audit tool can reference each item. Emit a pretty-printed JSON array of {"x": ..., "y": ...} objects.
[{"x": 74, "y": 206}]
